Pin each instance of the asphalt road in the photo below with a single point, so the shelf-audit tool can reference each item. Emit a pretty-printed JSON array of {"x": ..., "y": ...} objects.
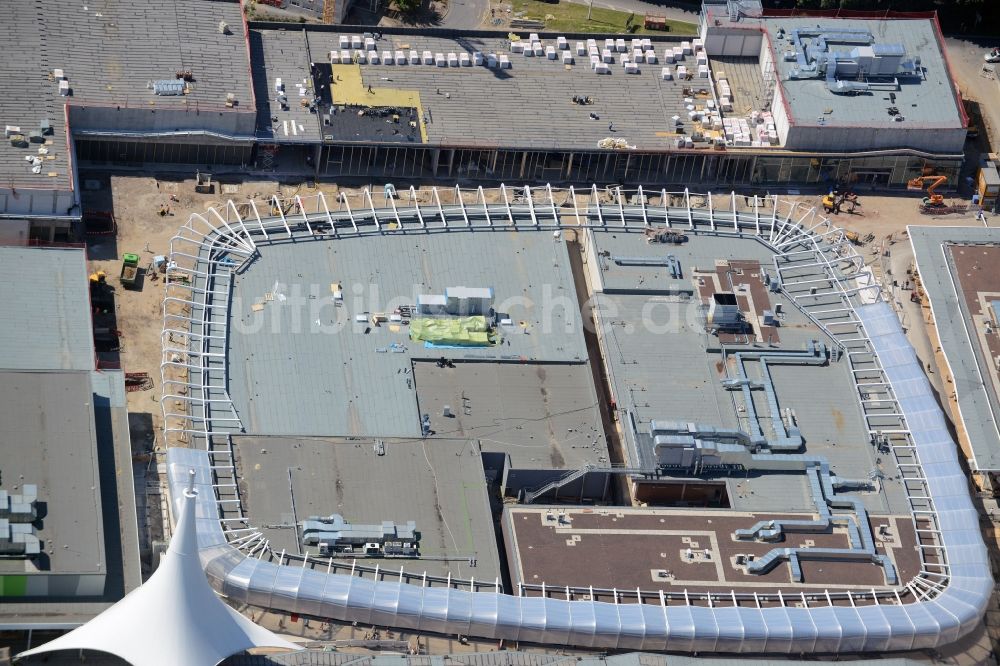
[{"x": 465, "y": 14}]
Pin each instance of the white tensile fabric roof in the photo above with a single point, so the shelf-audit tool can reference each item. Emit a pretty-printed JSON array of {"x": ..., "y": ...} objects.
[{"x": 175, "y": 618}]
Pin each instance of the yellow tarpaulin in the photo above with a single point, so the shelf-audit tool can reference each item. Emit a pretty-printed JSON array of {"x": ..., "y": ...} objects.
[
  {"x": 453, "y": 331},
  {"x": 349, "y": 88}
]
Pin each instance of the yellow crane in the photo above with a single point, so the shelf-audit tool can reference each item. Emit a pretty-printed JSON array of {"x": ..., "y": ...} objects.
[{"x": 329, "y": 11}]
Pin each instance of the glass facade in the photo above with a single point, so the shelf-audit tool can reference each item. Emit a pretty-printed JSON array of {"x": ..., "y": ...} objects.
[
  {"x": 875, "y": 172},
  {"x": 117, "y": 151},
  {"x": 718, "y": 168},
  {"x": 709, "y": 167}
]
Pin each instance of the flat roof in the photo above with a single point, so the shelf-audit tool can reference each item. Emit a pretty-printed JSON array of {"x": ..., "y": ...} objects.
[
  {"x": 48, "y": 417},
  {"x": 628, "y": 549},
  {"x": 664, "y": 364},
  {"x": 925, "y": 103},
  {"x": 67, "y": 429},
  {"x": 281, "y": 54},
  {"x": 28, "y": 100},
  {"x": 292, "y": 376},
  {"x": 746, "y": 80},
  {"x": 46, "y": 310},
  {"x": 118, "y": 517},
  {"x": 534, "y": 96},
  {"x": 439, "y": 484},
  {"x": 544, "y": 416},
  {"x": 109, "y": 52},
  {"x": 960, "y": 326}
]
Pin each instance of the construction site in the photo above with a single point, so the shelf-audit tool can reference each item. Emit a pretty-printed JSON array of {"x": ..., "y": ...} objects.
[
  {"x": 757, "y": 99},
  {"x": 479, "y": 408},
  {"x": 596, "y": 397},
  {"x": 744, "y": 103},
  {"x": 648, "y": 378}
]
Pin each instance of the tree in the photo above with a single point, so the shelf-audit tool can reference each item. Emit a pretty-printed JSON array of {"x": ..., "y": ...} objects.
[{"x": 407, "y": 6}]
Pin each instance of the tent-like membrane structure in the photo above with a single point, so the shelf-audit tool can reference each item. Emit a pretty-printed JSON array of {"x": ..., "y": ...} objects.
[{"x": 175, "y": 618}]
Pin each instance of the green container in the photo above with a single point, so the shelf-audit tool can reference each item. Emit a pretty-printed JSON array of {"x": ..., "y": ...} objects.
[{"x": 129, "y": 258}]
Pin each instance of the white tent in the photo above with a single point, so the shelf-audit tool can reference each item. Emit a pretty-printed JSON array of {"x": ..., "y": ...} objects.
[{"x": 175, "y": 618}]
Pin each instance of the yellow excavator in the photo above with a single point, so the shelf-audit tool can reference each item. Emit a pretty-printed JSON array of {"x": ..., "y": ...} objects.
[{"x": 835, "y": 200}]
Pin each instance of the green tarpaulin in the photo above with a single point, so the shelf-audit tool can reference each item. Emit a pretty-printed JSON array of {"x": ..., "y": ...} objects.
[{"x": 464, "y": 331}]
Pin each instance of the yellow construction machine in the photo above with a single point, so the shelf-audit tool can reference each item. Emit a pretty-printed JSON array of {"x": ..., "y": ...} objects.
[{"x": 835, "y": 200}]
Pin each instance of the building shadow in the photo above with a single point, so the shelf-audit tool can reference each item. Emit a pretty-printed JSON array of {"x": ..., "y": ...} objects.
[
  {"x": 99, "y": 229},
  {"x": 140, "y": 427}
]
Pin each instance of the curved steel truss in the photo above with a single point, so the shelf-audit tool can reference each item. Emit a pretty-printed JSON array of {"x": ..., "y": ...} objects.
[{"x": 819, "y": 271}]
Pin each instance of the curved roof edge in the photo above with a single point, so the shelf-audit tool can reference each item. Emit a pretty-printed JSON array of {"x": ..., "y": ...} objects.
[
  {"x": 952, "y": 602},
  {"x": 192, "y": 625},
  {"x": 882, "y": 627}
]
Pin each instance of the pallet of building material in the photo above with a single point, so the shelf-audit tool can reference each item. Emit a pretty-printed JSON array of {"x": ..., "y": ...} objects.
[{"x": 138, "y": 381}]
